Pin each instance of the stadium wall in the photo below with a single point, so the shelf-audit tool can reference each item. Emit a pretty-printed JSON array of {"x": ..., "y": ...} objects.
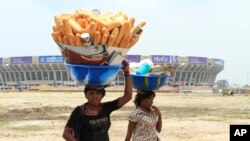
[{"x": 36, "y": 70}]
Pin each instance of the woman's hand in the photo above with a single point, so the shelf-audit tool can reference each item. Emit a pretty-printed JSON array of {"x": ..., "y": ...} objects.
[
  {"x": 159, "y": 122},
  {"x": 128, "y": 85},
  {"x": 125, "y": 67},
  {"x": 67, "y": 135}
]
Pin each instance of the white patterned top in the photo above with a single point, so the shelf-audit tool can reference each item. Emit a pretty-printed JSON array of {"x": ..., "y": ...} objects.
[{"x": 145, "y": 128}]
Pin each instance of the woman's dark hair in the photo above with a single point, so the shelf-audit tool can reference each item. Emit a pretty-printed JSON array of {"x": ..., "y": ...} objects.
[
  {"x": 95, "y": 88},
  {"x": 142, "y": 94}
]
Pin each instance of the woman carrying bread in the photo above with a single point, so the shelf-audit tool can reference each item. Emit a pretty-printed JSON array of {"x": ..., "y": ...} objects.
[
  {"x": 91, "y": 121},
  {"x": 145, "y": 121}
]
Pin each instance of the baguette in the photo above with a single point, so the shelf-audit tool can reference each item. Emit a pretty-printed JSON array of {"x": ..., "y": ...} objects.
[
  {"x": 98, "y": 19},
  {"x": 125, "y": 42},
  {"x": 78, "y": 40},
  {"x": 128, "y": 38},
  {"x": 111, "y": 40},
  {"x": 72, "y": 40},
  {"x": 124, "y": 29},
  {"x": 132, "y": 22},
  {"x": 61, "y": 28},
  {"x": 98, "y": 26},
  {"x": 82, "y": 22},
  {"x": 67, "y": 16},
  {"x": 59, "y": 23},
  {"x": 105, "y": 31},
  {"x": 57, "y": 20},
  {"x": 142, "y": 23},
  {"x": 97, "y": 38},
  {"x": 67, "y": 27},
  {"x": 80, "y": 13},
  {"x": 113, "y": 37},
  {"x": 55, "y": 28},
  {"x": 91, "y": 28},
  {"x": 104, "y": 39},
  {"x": 64, "y": 19},
  {"x": 75, "y": 26},
  {"x": 65, "y": 40},
  {"x": 59, "y": 36},
  {"x": 113, "y": 24},
  {"x": 121, "y": 16},
  {"x": 107, "y": 16}
]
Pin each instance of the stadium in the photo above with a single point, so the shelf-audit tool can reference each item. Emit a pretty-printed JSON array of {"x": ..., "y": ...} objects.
[{"x": 51, "y": 70}]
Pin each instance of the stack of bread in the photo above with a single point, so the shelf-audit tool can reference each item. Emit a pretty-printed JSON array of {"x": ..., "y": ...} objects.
[{"x": 88, "y": 29}]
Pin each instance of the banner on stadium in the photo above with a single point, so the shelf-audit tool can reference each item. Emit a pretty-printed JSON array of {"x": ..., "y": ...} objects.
[
  {"x": 197, "y": 60},
  {"x": 163, "y": 59},
  {"x": 51, "y": 59},
  {"x": 218, "y": 62},
  {"x": 21, "y": 60},
  {"x": 133, "y": 58}
]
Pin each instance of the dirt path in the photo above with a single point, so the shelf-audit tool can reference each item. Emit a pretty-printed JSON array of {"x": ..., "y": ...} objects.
[{"x": 41, "y": 116}]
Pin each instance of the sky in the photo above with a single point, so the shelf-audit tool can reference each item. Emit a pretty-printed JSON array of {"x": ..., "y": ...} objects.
[{"x": 203, "y": 28}]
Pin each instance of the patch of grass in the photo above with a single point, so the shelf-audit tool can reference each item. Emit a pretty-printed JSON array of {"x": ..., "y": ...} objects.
[
  {"x": 2, "y": 123},
  {"x": 237, "y": 116},
  {"x": 29, "y": 128},
  {"x": 214, "y": 119}
]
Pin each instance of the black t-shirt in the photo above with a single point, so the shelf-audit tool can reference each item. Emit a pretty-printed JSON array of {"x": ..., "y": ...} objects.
[{"x": 93, "y": 128}]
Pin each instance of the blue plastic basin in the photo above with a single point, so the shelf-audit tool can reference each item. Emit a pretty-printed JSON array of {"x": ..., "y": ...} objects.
[
  {"x": 151, "y": 82},
  {"x": 94, "y": 75}
]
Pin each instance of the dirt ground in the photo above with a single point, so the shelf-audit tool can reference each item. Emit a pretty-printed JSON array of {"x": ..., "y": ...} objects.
[{"x": 41, "y": 116}]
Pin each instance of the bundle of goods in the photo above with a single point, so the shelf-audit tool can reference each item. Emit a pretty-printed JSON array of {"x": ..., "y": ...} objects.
[
  {"x": 146, "y": 76},
  {"x": 91, "y": 41},
  {"x": 85, "y": 37}
]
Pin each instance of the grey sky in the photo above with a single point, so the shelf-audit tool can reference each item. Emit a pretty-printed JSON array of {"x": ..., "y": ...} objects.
[{"x": 206, "y": 28}]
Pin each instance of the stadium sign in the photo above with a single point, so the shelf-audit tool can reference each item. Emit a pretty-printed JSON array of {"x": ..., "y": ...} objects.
[
  {"x": 164, "y": 59},
  {"x": 51, "y": 59},
  {"x": 197, "y": 60},
  {"x": 133, "y": 58},
  {"x": 21, "y": 60}
]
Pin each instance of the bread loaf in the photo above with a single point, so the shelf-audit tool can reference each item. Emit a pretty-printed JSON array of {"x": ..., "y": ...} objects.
[
  {"x": 113, "y": 37},
  {"x": 97, "y": 38},
  {"x": 124, "y": 29},
  {"x": 104, "y": 39}
]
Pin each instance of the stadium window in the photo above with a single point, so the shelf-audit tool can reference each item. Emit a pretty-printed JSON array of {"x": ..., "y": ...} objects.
[
  {"x": 51, "y": 75},
  {"x": 27, "y": 75},
  {"x": 39, "y": 76}
]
